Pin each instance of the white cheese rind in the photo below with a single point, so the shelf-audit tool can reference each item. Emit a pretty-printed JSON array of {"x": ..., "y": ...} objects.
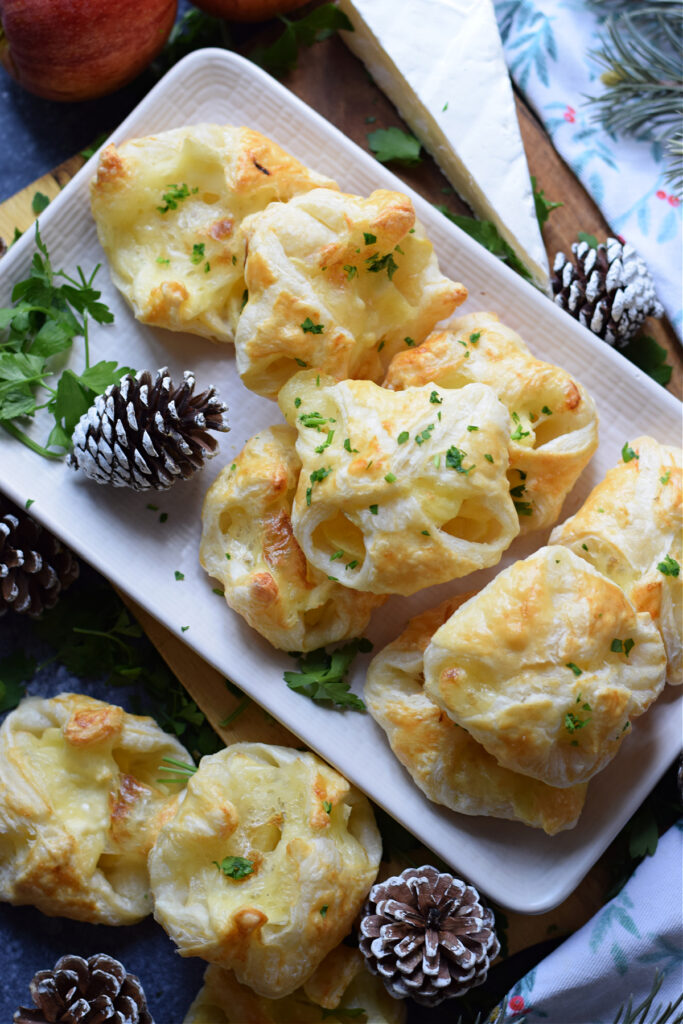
[{"x": 427, "y": 55}]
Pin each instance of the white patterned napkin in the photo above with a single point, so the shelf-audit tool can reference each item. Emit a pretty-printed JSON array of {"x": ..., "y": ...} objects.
[
  {"x": 546, "y": 46},
  {"x": 615, "y": 955}
]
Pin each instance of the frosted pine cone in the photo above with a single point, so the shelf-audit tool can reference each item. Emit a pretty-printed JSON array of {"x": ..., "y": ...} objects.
[
  {"x": 609, "y": 289},
  {"x": 34, "y": 566},
  {"x": 93, "y": 991},
  {"x": 427, "y": 935},
  {"x": 147, "y": 434}
]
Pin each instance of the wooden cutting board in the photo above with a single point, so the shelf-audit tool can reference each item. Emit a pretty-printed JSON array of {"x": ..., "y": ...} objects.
[{"x": 358, "y": 108}]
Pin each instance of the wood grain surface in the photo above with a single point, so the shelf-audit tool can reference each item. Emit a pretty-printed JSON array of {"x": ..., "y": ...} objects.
[{"x": 332, "y": 81}]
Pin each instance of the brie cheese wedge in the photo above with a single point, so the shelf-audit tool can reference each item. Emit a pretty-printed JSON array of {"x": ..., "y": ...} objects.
[{"x": 441, "y": 63}]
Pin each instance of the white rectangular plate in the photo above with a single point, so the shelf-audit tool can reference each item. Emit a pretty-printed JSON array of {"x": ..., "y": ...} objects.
[{"x": 115, "y": 531}]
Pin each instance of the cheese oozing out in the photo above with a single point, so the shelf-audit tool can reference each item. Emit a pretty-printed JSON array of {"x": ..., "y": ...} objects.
[{"x": 441, "y": 63}]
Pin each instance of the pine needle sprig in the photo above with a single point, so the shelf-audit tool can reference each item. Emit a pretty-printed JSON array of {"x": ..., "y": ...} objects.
[
  {"x": 643, "y": 72},
  {"x": 644, "y": 1014}
]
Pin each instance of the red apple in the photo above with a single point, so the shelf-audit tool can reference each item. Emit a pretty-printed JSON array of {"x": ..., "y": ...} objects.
[
  {"x": 80, "y": 49},
  {"x": 248, "y": 10}
]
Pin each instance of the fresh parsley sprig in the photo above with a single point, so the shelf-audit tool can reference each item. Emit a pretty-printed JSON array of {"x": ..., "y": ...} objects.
[
  {"x": 45, "y": 318},
  {"x": 323, "y": 676},
  {"x": 282, "y": 55},
  {"x": 486, "y": 233}
]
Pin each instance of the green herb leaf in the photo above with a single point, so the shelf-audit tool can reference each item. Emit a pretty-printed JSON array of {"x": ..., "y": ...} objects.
[
  {"x": 197, "y": 253},
  {"x": 487, "y": 234},
  {"x": 351, "y": 271},
  {"x": 627, "y": 453},
  {"x": 669, "y": 567},
  {"x": 282, "y": 55},
  {"x": 308, "y": 327},
  {"x": 174, "y": 195},
  {"x": 575, "y": 668},
  {"x": 543, "y": 205},
  {"x": 322, "y": 676},
  {"x": 39, "y": 203},
  {"x": 369, "y": 238},
  {"x": 650, "y": 357},
  {"x": 374, "y": 509},
  {"x": 394, "y": 144},
  {"x": 15, "y": 671},
  {"x": 435, "y": 398},
  {"x": 402, "y": 437},
  {"x": 235, "y": 867},
  {"x": 378, "y": 263},
  {"x": 454, "y": 457},
  {"x": 589, "y": 239}
]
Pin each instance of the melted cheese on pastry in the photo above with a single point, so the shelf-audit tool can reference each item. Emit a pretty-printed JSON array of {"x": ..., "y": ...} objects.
[
  {"x": 448, "y": 765},
  {"x": 265, "y": 804},
  {"x": 339, "y": 283},
  {"x": 629, "y": 526},
  {"x": 339, "y": 983},
  {"x": 80, "y": 807},
  {"x": 399, "y": 490},
  {"x": 248, "y": 544},
  {"x": 555, "y": 424},
  {"x": 168, "y": 208},
  {"x": 529, "y": 668}
]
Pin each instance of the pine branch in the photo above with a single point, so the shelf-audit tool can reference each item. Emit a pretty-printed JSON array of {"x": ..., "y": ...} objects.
[
  {"x": 642, "y": 1014},
  {"x": 643, "y": 73}
]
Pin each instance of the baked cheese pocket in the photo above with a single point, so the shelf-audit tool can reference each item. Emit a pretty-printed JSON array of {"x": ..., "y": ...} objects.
[
  {"x": 631, "y": 528},
  {"x": 444, "y": 760},
  {"x": 531, "y": 669},
  {"x": 248, "y": 545},
  {"x": 339, "y": 283},
  {"x": 339, "y": 986},
  {"x": 554, "y": 429},
  {"x": 168, "y": 208},
  {"x": 80, "y": 807},
  {"x": 399, "y": 490},
  {"x": 264, "y": 839}
]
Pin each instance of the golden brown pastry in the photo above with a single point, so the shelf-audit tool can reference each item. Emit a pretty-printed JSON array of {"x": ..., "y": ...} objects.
[
  {"x": 248, "y": 544},
  {"x": 81, "y": 806},
  {"x": 339, "y": 283},
  {"x": 399, "y": 490},
  {"x": 308, "y": 851},
  {"x": 630, "y": 528},
  {"x": 448, "y": 765},
  {"x": 554, "y": 429},
  {"x": 168, "y": 208},
  {"x": 529, "y": 667},
  {"x": 340, "y": 983}
]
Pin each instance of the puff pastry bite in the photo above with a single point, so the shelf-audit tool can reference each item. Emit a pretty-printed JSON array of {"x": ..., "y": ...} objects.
[
  {"x": 168, "y": 208},
  {"x": 399, "y": 490},
  {"x": 554, "y": 429},
  {"x": 80, "y": 807},
  {"x": 339, "y": 283},
  {"x": 630, "y": 528},
  {"x": 267, "y": 805},
  {"x": 529, "y": 667},
  {"x": 448, "y": 765},
  {"x": 340, "y": 983},
  {"x": 248, "y": 544}
]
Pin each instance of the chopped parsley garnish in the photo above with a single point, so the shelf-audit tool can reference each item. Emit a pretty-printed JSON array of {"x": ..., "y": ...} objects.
[
  {"x": 374, "y": 509},
  {"x": 207, "y": 267},
  {"x": 622, "y": 646},
  {"x": 669, "y": 567},
  {"x": 347, "y": 446},
  {"x": 352, "y": 564},
  {"x": 665, "y": 479},
  {"x": 390, "y": 478},
  {"x": 326, "y": 443},
  {"x": 470, "y": 426},
  {"x": 164, "y": 262},
  {"x": 424, "y": 435},
  {"x": 524, "y": 508},
  {"x": 518, "y": 491},
  {"x": 436, "y": 459},
  {"x": 575, "y": 668},
  {"x": 300, "y": 362},
  {"x": 585, "y": 547},
  {"x": 435, "y": 398},
  {"x": 369, "y": 238},
  {"x": 313, "y": 419},
  {"x": 175, "y": 195},
  {"x": 351, "y": 271},
  {"x": 308, "y": 327},
  {"x": 297, "y": 402},
  {"x": 323, "y": 910},
  {"x": 518, "y": 433},
  {"x": 474, "y": 337},
  {"x": 29, "y": 502},
  {"x": 336, "y": 555},
  {"x": 488, "y": 457},
  {"x": 327, "y": 806},
  {"x": 409, "y": 342},
  {"x": 378, "y": 263},
  {"x": 235, "y": 867},
  {"x": 402, "y": 437},
  {"x": 316, "y": 476},
  {"x": 425, "y": 533},
  {"x": 181, "y": 575},
  {"x": 322, "y": 676},
  {"x": 197, "y": 253},
  {"x": 217, "y": 590},
  {"x": 381, "y": 345},
  {"x": 546, "y": 411},
  {"x": 228, "y": 556},
  {"x": 245, "y": 299},
  {"x": 627, "y": 453},
  {"x": 454, "y": 457},
  {"x": 572, "y": 722}
]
